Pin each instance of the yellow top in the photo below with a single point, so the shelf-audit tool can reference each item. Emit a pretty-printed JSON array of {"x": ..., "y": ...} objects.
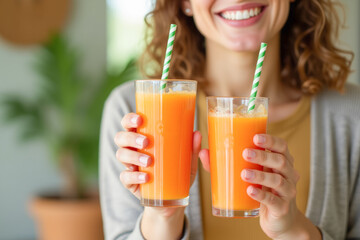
[{"x": 296, "y": 131}]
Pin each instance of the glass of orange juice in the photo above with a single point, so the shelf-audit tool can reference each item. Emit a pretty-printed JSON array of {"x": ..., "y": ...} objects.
[
  {"x": 167, "y": 109},
  {"x": 231, "y": 129}
]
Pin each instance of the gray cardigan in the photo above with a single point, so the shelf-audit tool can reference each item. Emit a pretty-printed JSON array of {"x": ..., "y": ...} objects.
[{"x": 334, "y": 195}]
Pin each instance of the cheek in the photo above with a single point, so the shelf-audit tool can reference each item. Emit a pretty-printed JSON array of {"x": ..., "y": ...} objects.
[
  {"x": 202, "y": 15},
  {"x": 279, "y": 16}
]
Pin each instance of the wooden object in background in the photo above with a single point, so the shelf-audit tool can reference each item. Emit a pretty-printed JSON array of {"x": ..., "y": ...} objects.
[{"x": 32, "y": 22}]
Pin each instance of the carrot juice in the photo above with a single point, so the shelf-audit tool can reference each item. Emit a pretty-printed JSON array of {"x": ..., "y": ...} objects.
[
  {"x": 168, "y": 122},
  {"x": 231, "y": 130}
]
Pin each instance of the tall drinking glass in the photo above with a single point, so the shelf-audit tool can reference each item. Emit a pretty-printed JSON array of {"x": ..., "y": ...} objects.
[
  {"x": 168, "y": 122},
  {"x": 231, "y": 129}
]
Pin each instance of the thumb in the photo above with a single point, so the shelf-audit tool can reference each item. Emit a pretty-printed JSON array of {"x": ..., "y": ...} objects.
[
  {"x": 195, "y": 153},
  {"x": 205, "y": 159}
]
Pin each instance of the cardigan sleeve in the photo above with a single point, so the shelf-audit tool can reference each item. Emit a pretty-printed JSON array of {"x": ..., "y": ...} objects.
[
  {"x": 325, "y": 235},
  {"x": 121, "y": 210},
  {"x": 354, "y": 213},
  {"x": 353, "y": 231}
]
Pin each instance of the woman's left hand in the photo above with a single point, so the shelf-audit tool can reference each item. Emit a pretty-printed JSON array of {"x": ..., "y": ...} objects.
[
  {"x": 279, "y": 215},
  {"x": 278, "y": 211}
]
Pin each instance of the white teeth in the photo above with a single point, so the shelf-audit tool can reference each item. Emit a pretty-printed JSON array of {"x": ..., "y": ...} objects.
[
  {"x": 246, "y": 14},
  {"x": 251, "y": 12},
  {"x": 241, "y": 15},
  {"x": 238, "y": 15}
]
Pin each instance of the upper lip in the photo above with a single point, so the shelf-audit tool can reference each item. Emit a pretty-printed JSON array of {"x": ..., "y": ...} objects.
[{"x": 242, "y": 7}]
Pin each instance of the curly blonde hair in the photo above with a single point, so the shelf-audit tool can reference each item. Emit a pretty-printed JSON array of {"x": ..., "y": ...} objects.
[{"x": 310, "y": 60}]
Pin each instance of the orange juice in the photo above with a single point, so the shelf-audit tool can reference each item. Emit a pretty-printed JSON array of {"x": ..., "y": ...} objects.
[
  {"x": 229, "y": 134},
  {"x": 228, "y": 137},
  {"x": 168, "y": 120}
]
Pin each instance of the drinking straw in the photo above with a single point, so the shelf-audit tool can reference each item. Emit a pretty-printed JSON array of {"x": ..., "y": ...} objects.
[
  {"x": 255, "y": 85},
  {"x": 169, "y": 49}
]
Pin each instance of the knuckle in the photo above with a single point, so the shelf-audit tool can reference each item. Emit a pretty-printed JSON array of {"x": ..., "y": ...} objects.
[
  {"x": 281, "y": 161},
  {"x": 133, "y": 188},
  {"x": 117, "y": 137},
  {"x": 262, "y": 196},
  {"x": 262, "y": 156},
  {"x": 291, "y": 159},
  {"x": 271, "y": 198},
  {"x": 260, "y": 176},
  {"x": 123, "y": 138},
  {"x": 127, "y": 139},
  {"x": 124, "y": 120},
  {"x": 280, "y": 181},
  {"x": 271, "y": 140},
  {"x": 283, "y": 146},
  {"x": 123, "y": 177},
  {"x": 123, "y": 124},
  {"x": 119, "y": 154}
]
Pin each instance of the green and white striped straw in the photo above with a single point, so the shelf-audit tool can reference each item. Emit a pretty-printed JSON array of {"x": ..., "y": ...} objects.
[
  {"x": 255, "y": 85},
  {"x": 169, "y": 50}
]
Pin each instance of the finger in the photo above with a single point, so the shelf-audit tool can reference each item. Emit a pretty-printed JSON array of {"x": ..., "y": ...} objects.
[
  {"x": 125, "y": 155},
  {"x": 273, "y": 144},
  {"x": 129, "y": 178},
  {"x": 131, "y": 121},
  {"x": 131, "y": 139},
  {"x": 131, "y": 167},
  {"x": 274, "y": 203},
  {"x": 275, "y": 161},
  {"x": 205, "y": 159},
  {"x": 272, "y": 180},
  {"x": 196, "y": 149}
]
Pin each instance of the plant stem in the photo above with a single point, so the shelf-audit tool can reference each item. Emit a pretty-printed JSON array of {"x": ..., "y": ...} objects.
[{"x": 73, "y": 185}]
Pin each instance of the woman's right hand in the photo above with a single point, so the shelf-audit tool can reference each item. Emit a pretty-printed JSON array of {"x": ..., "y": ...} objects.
[
  {"x": 157, "y": 222},
  {"x": 128, "y": 142}
]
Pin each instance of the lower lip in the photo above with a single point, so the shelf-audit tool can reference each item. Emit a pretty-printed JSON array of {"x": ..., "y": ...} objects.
[{"x": 245, "y": 22}]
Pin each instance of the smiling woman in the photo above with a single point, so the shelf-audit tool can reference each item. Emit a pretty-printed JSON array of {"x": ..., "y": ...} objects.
[
  {"x": 306, "y": 40},
  {"x": 311, "y": 143}
]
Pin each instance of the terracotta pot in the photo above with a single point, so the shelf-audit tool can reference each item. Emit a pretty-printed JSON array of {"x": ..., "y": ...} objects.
[{"x": 59, "y": 219}]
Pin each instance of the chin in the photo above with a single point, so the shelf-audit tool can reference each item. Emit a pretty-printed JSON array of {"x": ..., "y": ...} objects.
[{"x": 249, "y": 43}]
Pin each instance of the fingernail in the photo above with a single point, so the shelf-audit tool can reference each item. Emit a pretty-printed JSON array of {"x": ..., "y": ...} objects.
[
  {"x": 253, "y": 190},
  {"x": 142, "y": 177},
  {"x": 249, "y": 174},
  {"x": 260, "y": 138},
  {"x": 140, "y": 141},
  {"x": 144, "y": 160},
  {"x": 134, "y": 119},
  {"x": 250, "y": 154}
]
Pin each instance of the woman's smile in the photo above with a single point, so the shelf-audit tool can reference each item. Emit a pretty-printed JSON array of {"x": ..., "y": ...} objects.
[{"x": 242, "y": 15}]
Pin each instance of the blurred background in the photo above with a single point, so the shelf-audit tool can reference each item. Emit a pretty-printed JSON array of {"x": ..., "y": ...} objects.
[{"x": 95, "y": 50}]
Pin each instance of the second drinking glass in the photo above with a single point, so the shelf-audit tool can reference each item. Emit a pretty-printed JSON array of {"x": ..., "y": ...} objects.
[{"x": 231, "y": 129}]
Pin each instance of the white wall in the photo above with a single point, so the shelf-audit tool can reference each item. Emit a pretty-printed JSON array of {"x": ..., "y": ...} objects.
[
  {"x": 25, "y": 169},
  {"x": 350, "y": 36}
]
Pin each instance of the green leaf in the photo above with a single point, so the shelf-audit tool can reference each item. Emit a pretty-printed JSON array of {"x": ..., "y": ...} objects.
[
  {"x": 67, "y": 107},
  {"x": 17, "y": 109}
]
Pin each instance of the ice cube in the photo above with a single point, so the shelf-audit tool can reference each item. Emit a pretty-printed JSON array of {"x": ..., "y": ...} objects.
[{"x": 260, "y": 110}]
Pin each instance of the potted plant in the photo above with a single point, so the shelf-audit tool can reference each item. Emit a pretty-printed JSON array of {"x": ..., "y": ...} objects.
[{"x": 66, "y": 114}]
